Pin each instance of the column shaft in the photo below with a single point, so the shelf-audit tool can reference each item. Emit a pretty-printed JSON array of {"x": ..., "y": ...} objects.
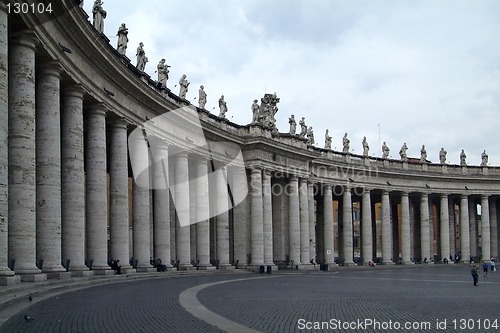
[
  {"x": 405, "y": 229},
  {"x": 328, "y": 245},
  {"x": 366, "y": 227},
  {"x": 202, "y": 214},
  {"x": 241, "y": 215},
  {"x": 464, "y": 229},
  {"x": 347, "y": 226},
  {"x": 494, "y": 228},
  {"x": 222, "y": 208},
  {"x": 473, "y": 227},
  {"x": 312, "y": 222},
  {"x": 294, "y": 220},
  {"x": 268, "y": 218},
  {"x": 304, "y": 221},
  {"x": 257, "y": 227},
  {"x": 386, "y": 229},
  {"x": 485, "y": 228},
  {"x": 424, "y": 227},
  {"x": 182, "y": 233},
  {"x": 445, "y": 228}
]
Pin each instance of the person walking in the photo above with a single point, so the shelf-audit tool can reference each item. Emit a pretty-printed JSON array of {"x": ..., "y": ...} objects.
[
  {"x": 475, "y": 274},
  {"x": 493, "y": 265},
  {"x": 485, "y": 269}
]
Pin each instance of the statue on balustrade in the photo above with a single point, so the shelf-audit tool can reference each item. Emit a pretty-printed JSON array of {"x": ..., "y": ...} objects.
[
  {"x": 423, "y": 155},
  {"x": 184, "y": 84},
  {"x": 255, "y": 111},
  {"x": 202, "y": 97},
  {"x": 328, "y": 140},
  {"x": 122, "y": 39},
  {"x": 222, "y": 107},
  {"x": 310, "y": 136},
  {"x": 99, "y": 15},
  {"x": 303, "y": 127},
  {"x": 268, "y": 110},
  {"x": 442, "y": 156},
  {"x": 366, "y": 147},
  {"x": 385, "y": 150},
  {"x": 293, "y": 124},
  {"x": 484, "y": 159},
  {"x": 345, "y": 144},
  {"x": 141, "y": 57},
  {"x": 463, "y": 158},
  {"x": 163, "y": 71},
  {"x": 402, "y": 152}
]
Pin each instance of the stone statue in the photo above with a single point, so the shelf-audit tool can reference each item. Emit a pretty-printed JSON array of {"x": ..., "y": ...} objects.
[
  {"x": 293, "y": 124},
  {"x": 345, "y": 144},
  {"x": 222, "y": 107},
  {"x": 423, "y": 155},
  {"x": 255, "y": 111},
  {"x": 310, "y": 136},
  {"x": 484, "y": 159},
  {"x": 184, "y": 84},
  {"x": 268, "y": 110},
  {"x": 163, "y": 71},
  {"x": 99, "y": 16},
  {"x": 202, "y": 97},
  {"x": 463, "y": 158},
  {"x": 385, "y": 150},
  {"x": 303, "y": 127},
  {"x": 402, "y": 152},
  {"x": 141, "y": 58},
  {"x": 328, "y": 140},
  {"x": 81, "y": 4},
  {"x": 366, "y": 147},
  {"x": 442, "y": 156},
  {"x": 122, "y": 39}
]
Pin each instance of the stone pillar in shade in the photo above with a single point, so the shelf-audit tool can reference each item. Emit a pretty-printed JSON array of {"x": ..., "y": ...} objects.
[
  {"x": 347, "y": 223},
  {"x": 96, "y": 189},
  {"x": 21, "y": 157},
  {"x": 304, "y": 221},
  {"x": 473, "y": 227},
  {"x": 494, "y": 228},
  {"x": 119, "y": 194},
  {"x": 48, "y": 170},
  {"x": 451, "y": 228},
  {"x": 312, "y": 221},
  {"x": 222, "y": 220},
  {"x": 366, "y": 227},
  {"x": 183, "y": 234},
  {"x": 485, "y": 228},
  {"x": 6, "y": 275},
  {"x": 424, "y": 227},
  {"x": 464, "y": 229},
  {"x": 292, "y": 190},
  {"x": 405, "y": 229},
  {"x": 386, "y": 229},
  {"x": 161, "y": 204},
  {"x": 444, "y": 228},
  {"x": 202, "y": 214},
  {"x": 267, "y": 217},
  {"x": 328, "y": 243},
  {"x": 73, "y": 181},
  {"x": 241, "y": 215},
  {"x": 256, "y": 222}
]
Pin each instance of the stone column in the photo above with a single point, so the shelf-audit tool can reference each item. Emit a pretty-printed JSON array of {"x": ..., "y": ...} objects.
[
  {"x": 473, "y": 227},
  {"x": 312, "y": 221},
  {"x": 257, "y": 227},
  {"x": 222, "y": 226},
  {"x": 304, "y": 221},
  {"x": 96, "y": 189},
  {"x": 202, "y": 214},
  {"x": 119, "y": 194},
  {"x": 292, "y": 190},
  {"x": 48, "y": 170},
  {"x": 424, "y": 227},
  {"x": 328, "y": 243},
  {"x": 485, "y": 228},
  {"x": 445, "y": 228},
  {"x": 464, "y": 229},
  {"x": 73, "y": 181},
  {"x": 21, "y": 156},
  {"x": 141, "y": 227},
  {"x": 241, "y": 215},
  {"x": 268, "y": 217},
  {"x": 405, "y": 229},
  {"x": 451, "y": 226},
  {"x": 494, "y": 228},
  {"x": 386, "y": 229},
  {"x": 183, "y": 234},
  {"x": 366, "y": 227},
  {"x": 347, "y": 223}
]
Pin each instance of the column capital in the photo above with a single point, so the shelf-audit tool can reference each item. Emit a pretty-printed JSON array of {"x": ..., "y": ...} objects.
[
  {"x": 266, "y": 172},
  {"x": 73, "y": 90},
  {"x": 485, "y": 196},
  {"x": 118, "y": 123},
  {"x": 444, "y": 195},
  {"x": 294, "y": 178},
  {"x": 97, "y": 109},
  {"x": 51, "y": 68},
  {"x": 254, "y": 170},
  {"x": 26, "y": 38}
]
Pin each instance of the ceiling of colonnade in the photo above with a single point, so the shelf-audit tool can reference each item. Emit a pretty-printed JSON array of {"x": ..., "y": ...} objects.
[{"x": 420, "y": 73}]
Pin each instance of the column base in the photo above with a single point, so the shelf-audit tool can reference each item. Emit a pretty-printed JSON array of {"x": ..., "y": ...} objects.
[
  {"x": 103, "y": 271},
  {"x": 9, "y": 280},
  {"x": 207, "y": 268},
  {"x": 409, "y": 262},
  {"x": 145, "y": 269},
  {"x": 388, "y": 263},
  {"x": 226, "y": 267},
  {"x": 128, "y": 270},
  {"x": 186, "y": 268},
  {"x": 254, "y": 268},
  {"x": 305, "y": 267},
  {"x": 58, "y": 275},
  {"x": 33, "y": 277},
  {"x": 81, "y": 273},
  {"x": 328, "y": 267},
  {"x": 349, "y": 264}
]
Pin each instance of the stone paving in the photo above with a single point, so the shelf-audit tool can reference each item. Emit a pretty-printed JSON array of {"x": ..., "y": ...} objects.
[{"x": 285, "y": 301}]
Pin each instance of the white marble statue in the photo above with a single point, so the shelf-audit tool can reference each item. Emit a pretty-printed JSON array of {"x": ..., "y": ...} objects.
[
  {"x": 402, "y": 152},
  {"x": 141, "y": 57},
  {"x": 184, "y": 84},
  {"x": 442, "y": 156},
  {"x": 463, "y": 158},
  {"x": 345, "y": 144},
  {"x": 303, "y": 127},
  {"x": 202, "y": 97},
  {"x": 484, "y": 159},
  {"x": 423, "y": 155},
  {"x": 222, "y": 107},
  {"x": 163, "y": 71},
  {"x": 122, "y": 39},
  {"x": 99, "y": 14},
  {"x": 385, "y": 150},
  {"x": 310, "y": 136},
  {"x": 293, "y": 125},
  {"x": 255, "y": 111},
  {"x": 366, "y": 147},
  {"x": 328, "y": 140}
]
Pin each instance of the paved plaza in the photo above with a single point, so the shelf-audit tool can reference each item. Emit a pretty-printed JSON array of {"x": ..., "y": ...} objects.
[{"x": 381, "y": 299}]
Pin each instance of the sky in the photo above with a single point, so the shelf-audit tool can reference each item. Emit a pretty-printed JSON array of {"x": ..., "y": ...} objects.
[{"x": 421, "y": 72}]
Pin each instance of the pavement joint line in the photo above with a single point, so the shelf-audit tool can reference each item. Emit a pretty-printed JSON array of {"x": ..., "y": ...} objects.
[{"x": 189, "y": 301}]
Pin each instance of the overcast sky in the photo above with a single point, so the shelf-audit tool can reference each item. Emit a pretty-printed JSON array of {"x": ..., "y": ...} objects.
[{"x": 420, "y": 72}]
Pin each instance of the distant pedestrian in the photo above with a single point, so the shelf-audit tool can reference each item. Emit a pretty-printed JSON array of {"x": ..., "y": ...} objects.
[
  {"x": 475, "y": 274},
  {"x": 485, "y": 269},
  {"x": 493, "y": 265}
]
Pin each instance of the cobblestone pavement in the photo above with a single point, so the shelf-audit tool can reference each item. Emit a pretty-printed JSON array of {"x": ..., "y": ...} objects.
[{"x": 281, "y": 302}]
